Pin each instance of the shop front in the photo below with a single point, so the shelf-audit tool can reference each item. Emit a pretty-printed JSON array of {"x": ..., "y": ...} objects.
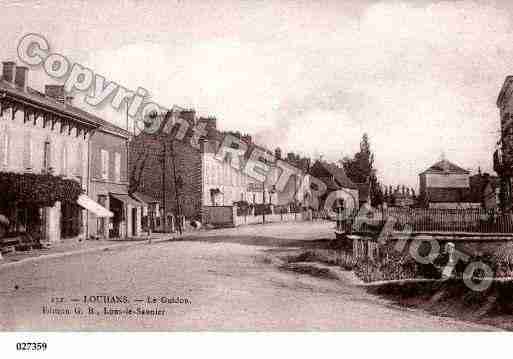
[{"x": 41, "y": 206}]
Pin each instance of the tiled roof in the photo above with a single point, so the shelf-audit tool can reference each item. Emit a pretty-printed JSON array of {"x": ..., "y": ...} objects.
[
  {"x": 39, "y": 99},
  {"x": 50, "y": 104},
  {"x": 445, "y": 166},
  {"x": 105, "y": 124},
  {"x": 337, "y": 172}
]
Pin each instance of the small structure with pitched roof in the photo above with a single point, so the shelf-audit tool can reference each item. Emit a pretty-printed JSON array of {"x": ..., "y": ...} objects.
[{"x": 445, "y": 185}]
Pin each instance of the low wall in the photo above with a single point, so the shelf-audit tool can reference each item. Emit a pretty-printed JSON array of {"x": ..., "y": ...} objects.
[
  {"x": 218, "y": 216},
  {"x": 269, "y": 218}
]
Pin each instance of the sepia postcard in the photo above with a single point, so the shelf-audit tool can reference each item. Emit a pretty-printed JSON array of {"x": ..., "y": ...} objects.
[{"x": 255, "y": 166}]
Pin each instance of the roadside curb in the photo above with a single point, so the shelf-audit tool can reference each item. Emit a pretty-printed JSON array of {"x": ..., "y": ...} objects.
[
  {"x": 426, "y": 280},
  {"x": 399, "y": 282},
  {"x": 78, "y": 251}
]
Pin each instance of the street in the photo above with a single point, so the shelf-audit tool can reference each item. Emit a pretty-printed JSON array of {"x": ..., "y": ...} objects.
[{"x": 216, "y": 280}]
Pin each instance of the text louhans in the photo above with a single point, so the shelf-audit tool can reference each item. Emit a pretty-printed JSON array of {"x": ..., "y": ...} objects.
[{"x": 123, "y": 299}]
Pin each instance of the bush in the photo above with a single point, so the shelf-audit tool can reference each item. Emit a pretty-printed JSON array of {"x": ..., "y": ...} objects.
[
  {"x": 393, "y": 265},
  {"x": 502, "y": 261}
]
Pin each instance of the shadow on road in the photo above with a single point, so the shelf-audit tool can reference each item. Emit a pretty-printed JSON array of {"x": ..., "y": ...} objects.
[{"x": 268, "y": 241}]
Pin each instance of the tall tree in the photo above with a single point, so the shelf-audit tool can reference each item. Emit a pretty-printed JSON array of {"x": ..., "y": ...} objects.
[{"x": 360, "y": 169}]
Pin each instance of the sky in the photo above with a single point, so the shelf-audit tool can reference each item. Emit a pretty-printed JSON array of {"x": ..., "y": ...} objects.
[{"x": 420, "y": 78}]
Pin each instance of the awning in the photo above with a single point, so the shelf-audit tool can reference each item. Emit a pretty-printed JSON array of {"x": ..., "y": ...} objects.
[
  {"x": 125, "y": 198},
  {"x": 145, "y": 199},
  {"x": 93, "y": 206}
]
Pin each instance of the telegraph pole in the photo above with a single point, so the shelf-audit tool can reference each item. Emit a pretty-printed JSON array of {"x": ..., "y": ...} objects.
[
  {"x": 177, "y": 184},
  {"x": 164, "y": 154}
]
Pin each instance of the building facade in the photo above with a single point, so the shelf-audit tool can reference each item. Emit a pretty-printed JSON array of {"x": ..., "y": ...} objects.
[
  {"x": 445, "y": 185},
  {"x": 45, "y": 143},
  {"x": 109, "y": 185},
  {"x": 76, "y": 163},
  {"x": 503, "y": 156}
]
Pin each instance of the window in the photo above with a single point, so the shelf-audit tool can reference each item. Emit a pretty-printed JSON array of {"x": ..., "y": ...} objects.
[
  {"x": 104, "y": 164},
  {"x": 117, "y": 167}
]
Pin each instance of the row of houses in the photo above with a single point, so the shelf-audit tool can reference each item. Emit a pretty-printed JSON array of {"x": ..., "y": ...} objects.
[
  {"x": 113, "y": 183},
  {"x": 186, "y": 179},
  {"x": 65, "y": 171}
]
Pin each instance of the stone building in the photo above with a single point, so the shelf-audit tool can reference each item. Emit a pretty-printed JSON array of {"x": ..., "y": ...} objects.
[{"x": 45, "y": 143}]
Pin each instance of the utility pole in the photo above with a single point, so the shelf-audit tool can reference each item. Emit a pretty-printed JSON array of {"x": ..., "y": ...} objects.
[
  {"x": 163, "y": 159},
  {"x": 295, "y": 195},
  {"x": 177, "y": 184}
]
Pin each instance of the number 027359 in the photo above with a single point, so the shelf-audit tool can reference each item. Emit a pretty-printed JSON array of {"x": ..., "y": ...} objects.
[{"x": 32, "y": 346}]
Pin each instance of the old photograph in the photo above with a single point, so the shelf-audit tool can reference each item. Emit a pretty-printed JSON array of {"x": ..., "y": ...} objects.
[{"x": 256, "y": 166}]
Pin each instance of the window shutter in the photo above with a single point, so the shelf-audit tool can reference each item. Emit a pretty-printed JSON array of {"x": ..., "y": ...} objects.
[
  {"x": 117, "y": 167},
  {"x": 27, "y": 150},
  {"x": 105, "y": 164},
  {"x": 46, "y": 155},
  {"x": 80, "y": 161},
  {"x": 64, "y": 159}
]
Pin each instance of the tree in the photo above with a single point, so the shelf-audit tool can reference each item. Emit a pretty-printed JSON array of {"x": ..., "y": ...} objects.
[{"x": 360, "y": 169}]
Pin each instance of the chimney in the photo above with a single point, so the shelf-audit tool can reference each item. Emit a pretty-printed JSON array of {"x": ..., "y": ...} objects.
[
  {"x": 189, "y": 116},
  {"x": 56, "y": 92},
  {"x": 8, "y": 71},
  {"x": 21, "y": 77}
]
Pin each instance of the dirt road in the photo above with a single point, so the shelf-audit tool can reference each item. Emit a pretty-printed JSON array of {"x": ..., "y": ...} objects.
[{"x": 223, "y": 279}]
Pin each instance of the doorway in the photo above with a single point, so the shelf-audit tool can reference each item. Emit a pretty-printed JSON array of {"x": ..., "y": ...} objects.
[{"x": 134, "y": 221}]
